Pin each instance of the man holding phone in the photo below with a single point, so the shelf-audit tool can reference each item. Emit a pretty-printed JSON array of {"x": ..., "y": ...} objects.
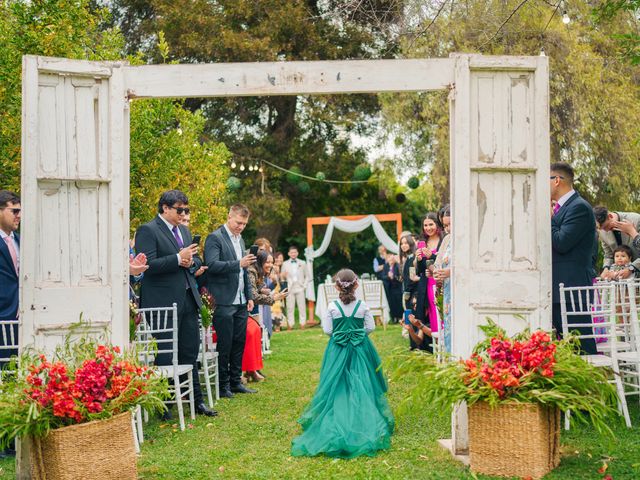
[
  {"x": 173, "y": 259},
  {"x": 227, "y": 281}
]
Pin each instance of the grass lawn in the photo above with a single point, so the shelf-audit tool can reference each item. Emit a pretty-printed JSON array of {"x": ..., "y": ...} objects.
[{"x": 251, "y": 437}]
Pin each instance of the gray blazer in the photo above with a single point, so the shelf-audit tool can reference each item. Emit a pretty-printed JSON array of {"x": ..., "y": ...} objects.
[
  {"x": 224, "y": 267},
  {"x": 608, "y": 240}
]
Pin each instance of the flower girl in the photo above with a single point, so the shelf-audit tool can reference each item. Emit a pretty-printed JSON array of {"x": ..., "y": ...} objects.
[{"x": 349, "y": 414}]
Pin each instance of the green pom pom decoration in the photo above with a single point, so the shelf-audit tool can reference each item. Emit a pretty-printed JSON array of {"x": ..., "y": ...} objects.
[
  {"x": 234, "y": 183},
  {"x": 321, "y": 176},
  {"x": 292, "y": 177},
  {"x": 413, "y": 183},
  {"x": 362, "y": 172},
  {"x": 304, "y": 187}
]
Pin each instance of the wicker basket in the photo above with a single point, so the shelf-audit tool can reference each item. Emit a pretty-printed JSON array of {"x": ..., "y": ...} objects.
[
  {"x": 514, "y": 440},
  {"x": 102, "y": 449}
]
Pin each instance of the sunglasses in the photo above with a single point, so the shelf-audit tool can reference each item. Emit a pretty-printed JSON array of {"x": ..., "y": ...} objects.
[
  {"x": 181, "y": 210},
  {"x": 15, "y": 211}
]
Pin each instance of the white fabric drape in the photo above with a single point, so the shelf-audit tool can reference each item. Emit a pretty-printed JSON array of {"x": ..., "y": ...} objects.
[{"x": 349, "y": 226}]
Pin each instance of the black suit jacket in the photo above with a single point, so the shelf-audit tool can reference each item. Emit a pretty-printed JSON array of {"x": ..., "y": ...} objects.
[
  {"x": 573, "y": 233},
  {"x": 224, "y": 266},
  {"x": 8, "y": 283},
  {"x": 165, "y": 281}
]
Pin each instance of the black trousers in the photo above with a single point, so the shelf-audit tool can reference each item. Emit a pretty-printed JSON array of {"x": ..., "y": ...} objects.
[
  {"x": 230, "y": 323},
  {"x": 188, "y": 342},
  {"x": 587, "y": 345}
]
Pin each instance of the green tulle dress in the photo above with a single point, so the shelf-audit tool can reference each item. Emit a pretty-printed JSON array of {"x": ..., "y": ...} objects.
[{"x": 349, "y": 414}]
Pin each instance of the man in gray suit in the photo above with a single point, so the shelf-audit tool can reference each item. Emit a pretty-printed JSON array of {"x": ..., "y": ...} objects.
[
  {"x": 615, "y": 229},
  {"x": 227, "y": 281}
]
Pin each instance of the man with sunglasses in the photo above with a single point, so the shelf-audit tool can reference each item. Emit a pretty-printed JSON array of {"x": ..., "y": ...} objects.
[
  {"x": 173, "y": 260},
  {"x": 9, "y": 274},
  {"x": 9, "y": 268}
]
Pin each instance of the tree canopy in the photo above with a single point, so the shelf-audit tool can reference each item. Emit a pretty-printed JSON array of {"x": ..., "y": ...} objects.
[
  {"x": 594, "y": 94},
  {"x": 168, "y": 148}
]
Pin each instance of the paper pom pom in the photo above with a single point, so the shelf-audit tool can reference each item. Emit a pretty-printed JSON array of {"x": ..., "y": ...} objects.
[
  {"x": 413, "y": 183},
  {"x": 321, "y": 176},
  {"x": 362, "y": 172},
  {"x": 304, "y": 187},
  {"x": 234, "y": 183},
  {"x": 292, "y": 176}
]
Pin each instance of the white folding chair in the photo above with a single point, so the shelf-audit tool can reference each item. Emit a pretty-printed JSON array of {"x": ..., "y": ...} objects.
[
  {"x": 208, "y": 360},
  {"x": 630, "y": 358},
  {"x": 623, "y": 315},
  {"x": 372, "y": 292},
  {"x": 157, "y": 334},
  {"x": 590, "y": 301},
  {"x": 330, "y": 293},
  {"x": 9, "y": 346}
]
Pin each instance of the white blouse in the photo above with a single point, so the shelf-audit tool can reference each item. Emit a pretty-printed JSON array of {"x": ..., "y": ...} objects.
[{"x": 333, "y": 313}]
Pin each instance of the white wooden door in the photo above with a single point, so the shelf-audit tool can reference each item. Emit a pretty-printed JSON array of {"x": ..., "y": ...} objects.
[
  {"x": 500, "y": 199},
  {"x": 75, "y": 200}
]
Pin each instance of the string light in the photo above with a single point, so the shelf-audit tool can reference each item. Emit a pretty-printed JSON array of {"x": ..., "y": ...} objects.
[
  {"x": 251, "y": 168},
  {"x": 233, "y": 164},
  {"x": 242, "y": 167},
  {"x": 542, "y": 54},
  {"x": 565, "y": 18}
]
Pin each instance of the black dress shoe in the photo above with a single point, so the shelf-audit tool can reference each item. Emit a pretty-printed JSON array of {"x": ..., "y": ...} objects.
[
  {"x": 166, "y": 416},
  {"x": 226, "y": 393},
  {"x": 202, "y": 409},
  {"x": 242, "y": 389}
]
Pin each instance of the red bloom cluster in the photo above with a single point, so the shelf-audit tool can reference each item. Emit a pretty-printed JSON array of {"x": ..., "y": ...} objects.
[
  {"x": 505, "y": 363},
  {"x": 87, "y": 390}
]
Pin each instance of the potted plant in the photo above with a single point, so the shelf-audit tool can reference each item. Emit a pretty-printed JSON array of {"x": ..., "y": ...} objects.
[
  {"x": 76, "y": 408},
  {"x": 515, "y": 389}
]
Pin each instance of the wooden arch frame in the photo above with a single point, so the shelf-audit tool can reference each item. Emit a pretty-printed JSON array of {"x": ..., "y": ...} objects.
[
  {"x": 383, "y": 217},
  {"x": 314, "y": 221},
  {"x": 75, "y": 180}
]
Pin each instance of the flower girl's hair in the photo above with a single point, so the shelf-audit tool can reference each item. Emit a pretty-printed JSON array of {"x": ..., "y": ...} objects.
[{"x": 347, "y": 282}]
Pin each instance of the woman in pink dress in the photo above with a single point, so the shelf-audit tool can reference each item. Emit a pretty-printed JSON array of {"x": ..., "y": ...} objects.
[{"x": 426, "y": 252}]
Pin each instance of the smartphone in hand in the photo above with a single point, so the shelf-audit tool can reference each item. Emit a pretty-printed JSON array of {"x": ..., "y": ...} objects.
[
  {"x": 253, "y": 250},
  {"x": 196, "y": 239}
]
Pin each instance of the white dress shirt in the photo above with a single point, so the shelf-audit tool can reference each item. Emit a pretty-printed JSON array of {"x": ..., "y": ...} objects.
[
  {"x": 3, "y": 235},
  {"x": 170, "y": 227},
  {"x": 563, "y": 199},
  {"x": 332, "y": 313},
  {"x": 235, "y": 240}
]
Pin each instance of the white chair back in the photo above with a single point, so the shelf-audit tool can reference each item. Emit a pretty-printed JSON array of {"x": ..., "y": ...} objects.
[
  {"x": 372, "y": 292},
  {"x": 633, "y": 293},
  {"x": 590, "y": 301},
  {"x": 157, "y": 333},
  {"x": 330, "y": 292},
  {"x": 9, "y": 336}
]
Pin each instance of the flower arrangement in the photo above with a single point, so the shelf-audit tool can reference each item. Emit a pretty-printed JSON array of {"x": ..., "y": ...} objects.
[
  {"x": 527, "y": 368},
  {"x": 83, "y": 381},
  {"x": 207, "y": 308}
]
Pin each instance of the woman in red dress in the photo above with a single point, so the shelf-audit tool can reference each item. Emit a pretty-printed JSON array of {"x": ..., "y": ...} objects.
[{"x": 252, "y": 357}]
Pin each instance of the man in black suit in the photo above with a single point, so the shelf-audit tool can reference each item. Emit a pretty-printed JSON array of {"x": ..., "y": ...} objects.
[
  {"x": 9, "y": 278},
  {"x": 573, "y": 234},
  {"x": 172, "y": 260},
  {"x": 227, "y": 281},
  {"x": 9, "y": 267}
]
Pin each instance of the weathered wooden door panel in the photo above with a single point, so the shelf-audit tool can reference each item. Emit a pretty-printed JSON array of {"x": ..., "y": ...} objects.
[
  {"x": 75, "y": 189},
  {"x": 500, "y": 200}
]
